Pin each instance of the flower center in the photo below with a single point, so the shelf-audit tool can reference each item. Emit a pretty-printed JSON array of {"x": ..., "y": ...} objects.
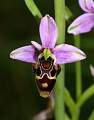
[{"x": 46, "y": 64}]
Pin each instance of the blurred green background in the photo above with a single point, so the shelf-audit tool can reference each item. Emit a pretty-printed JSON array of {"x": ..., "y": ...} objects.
[{"x": 19, "y": 99}]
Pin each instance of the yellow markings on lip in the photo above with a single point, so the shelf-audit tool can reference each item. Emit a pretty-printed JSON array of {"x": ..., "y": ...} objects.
[
  {"x": 45, "y": 85},
  {"x": 44, "y": 94}
]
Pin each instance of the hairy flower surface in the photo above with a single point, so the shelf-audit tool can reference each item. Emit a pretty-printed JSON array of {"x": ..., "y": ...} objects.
[
  {"x": 85, "y": 22},
  {"x": 47, "y": 57}
]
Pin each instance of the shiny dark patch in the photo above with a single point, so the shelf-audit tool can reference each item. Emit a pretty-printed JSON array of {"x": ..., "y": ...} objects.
[
  {"x": 38, "y": 72},
  {"x": 58, "y": 70},
  {"x": 41, "y": 59},
  {"x": 53, "y": 72}
]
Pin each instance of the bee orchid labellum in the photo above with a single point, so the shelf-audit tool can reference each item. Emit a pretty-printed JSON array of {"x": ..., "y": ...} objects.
[
  {"x": 47, "y": 58},
  {"x": 46, "y": 71}
]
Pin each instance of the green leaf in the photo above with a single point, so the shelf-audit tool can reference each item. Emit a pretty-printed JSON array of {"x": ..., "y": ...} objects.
[
  {"x": 69, "y": 102},
  {"x": 33, "y": 9},
  {"x": 85, "y": 96},
  {"x": 66, "y": 117},
  {"x": 91, "y": 116},
  {"x": 68, "y": 13}
]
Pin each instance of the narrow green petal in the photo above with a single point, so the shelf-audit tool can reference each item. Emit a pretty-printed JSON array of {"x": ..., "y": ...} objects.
[{"x": 47, "y": 53}]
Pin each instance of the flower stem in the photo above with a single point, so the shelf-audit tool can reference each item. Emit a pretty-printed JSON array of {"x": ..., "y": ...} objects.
[
  {"x": 78, "y": 76},
  {"x": 78, "y": 71},
  {"x": 59, "y": 88}
]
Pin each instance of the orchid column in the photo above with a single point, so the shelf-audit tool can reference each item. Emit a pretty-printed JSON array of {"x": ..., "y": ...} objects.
[{"x": 59, "y": 89}]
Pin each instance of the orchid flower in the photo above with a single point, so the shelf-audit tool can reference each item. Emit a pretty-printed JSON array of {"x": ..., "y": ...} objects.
[
  {"x": 85, "y": 22},
  {"x": 47, "y": 55}
]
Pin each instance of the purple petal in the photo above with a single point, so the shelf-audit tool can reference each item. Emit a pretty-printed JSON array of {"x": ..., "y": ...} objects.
[
  {"x": 87, "y": 5},
  {"x": 65, "y": 53},
  {"x": 26, "y": 54},
  {"x": 48, "y": 32},
  {"x": 82, "y": 24},
  {"x": 36, "y": 45}
]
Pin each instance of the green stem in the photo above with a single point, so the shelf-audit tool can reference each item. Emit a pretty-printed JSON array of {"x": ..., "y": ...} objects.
[
  {"x": 85, "y": 96},
  {"x": 59, "y": 88},
  {"x": 78, "y": 80},
  {"x": 78, "y": 71},
  {"x": 59, "y": 97},
  {"x": 69, "y": 102},
  {"x": 60, "y": 19},
  {"x": 78, "y": 75}
]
